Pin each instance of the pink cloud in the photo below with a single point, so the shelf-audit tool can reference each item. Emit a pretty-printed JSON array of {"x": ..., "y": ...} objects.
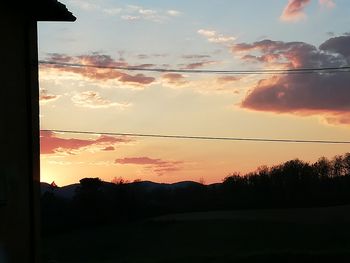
[
  {"x": 294, "y": 11},
  {"x": 323, "y": 94},
  {"x": 158, "y": 166},
  {"x": 102, "y": 74},
  {"x": 50, "y": 143}
]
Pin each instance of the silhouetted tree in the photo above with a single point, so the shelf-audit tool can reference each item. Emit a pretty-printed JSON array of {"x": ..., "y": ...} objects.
[
  {"x": 89, "y": 201},
  {"x": 322, "y": 168},
  {"x": 346, "y": 164}
]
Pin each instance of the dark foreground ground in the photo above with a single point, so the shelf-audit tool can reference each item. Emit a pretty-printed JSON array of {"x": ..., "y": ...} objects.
[{"x": 293, "y": 235}]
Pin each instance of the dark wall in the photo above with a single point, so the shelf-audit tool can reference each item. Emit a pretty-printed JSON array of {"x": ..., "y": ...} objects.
[{"x": 19, "y": 163}]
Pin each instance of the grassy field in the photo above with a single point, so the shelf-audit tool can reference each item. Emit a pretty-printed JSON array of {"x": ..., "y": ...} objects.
[{"x": 295, "y": 235}]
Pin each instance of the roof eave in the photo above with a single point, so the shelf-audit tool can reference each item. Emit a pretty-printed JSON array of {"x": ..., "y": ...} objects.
[{"x": 52, "y": 10}]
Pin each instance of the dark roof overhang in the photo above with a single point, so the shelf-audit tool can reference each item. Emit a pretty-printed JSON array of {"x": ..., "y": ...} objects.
[{"x": 52, "y": 10}]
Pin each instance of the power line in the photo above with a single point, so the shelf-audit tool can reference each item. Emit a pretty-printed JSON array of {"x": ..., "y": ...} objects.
[
  {"x": 345, "y": 69},
  {"x": 198, "y": 137}
]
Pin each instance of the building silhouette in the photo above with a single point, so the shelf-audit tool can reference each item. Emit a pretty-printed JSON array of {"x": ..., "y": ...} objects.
[{"x": 19, "y": 126}]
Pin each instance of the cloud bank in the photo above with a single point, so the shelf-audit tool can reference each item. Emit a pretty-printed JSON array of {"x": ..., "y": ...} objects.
[{"x": 324, "y": 94}]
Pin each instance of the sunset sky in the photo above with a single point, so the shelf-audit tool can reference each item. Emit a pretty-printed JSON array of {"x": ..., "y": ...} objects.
[{"x": 191, "y": 34}]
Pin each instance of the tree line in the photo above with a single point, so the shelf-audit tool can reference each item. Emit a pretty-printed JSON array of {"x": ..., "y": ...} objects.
[{"x": 294, "y": 183}]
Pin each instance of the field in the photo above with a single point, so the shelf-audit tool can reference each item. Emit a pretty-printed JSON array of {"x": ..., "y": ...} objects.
[{"x": 291, "y": 235}]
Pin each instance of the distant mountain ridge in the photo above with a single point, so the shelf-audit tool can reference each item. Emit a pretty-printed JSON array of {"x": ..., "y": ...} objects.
[{"x": 68, "y": 191}]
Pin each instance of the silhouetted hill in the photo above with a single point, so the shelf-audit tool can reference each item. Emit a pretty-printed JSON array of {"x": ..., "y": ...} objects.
[
  {"x": 68, "y": 191},
  {"x": 147, "y": 186},
  {"x": 185, "y": 184},
  {"x": 44, "y": 187}
]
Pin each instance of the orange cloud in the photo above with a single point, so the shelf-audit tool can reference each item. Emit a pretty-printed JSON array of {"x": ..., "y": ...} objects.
[
  {"x": 158, "y": 166},
  {"x": 50, "y": 143}
]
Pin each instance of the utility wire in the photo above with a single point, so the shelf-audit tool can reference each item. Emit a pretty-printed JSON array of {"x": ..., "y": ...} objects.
[
  {"x": 345, "y": 69},
  {"x": 198, "y": 137}
]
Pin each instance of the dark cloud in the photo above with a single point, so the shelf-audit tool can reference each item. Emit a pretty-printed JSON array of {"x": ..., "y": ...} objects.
[
  {"x": 301, "y": 93},
  {"x": 326, "y": 94},
  {"x": 338, "y": 45}
]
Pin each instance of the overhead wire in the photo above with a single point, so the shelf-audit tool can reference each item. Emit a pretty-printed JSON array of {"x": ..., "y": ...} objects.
[
  {"x": 343, "y": 69},
  {"x": 166, "y": 136}
]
